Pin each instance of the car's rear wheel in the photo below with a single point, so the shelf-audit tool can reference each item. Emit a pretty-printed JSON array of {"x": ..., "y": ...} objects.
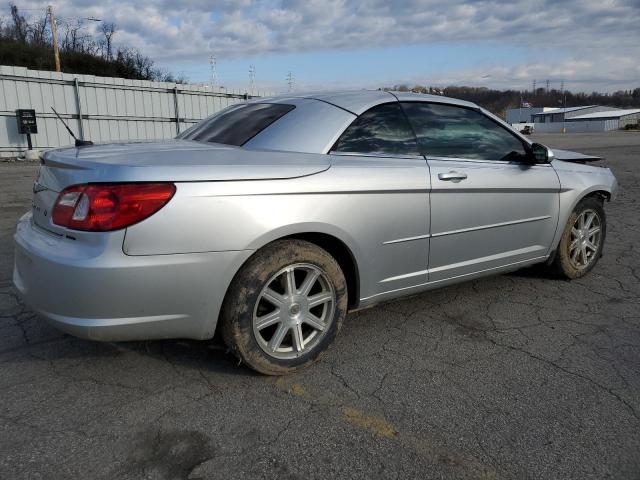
[
  {"x": 582, "y": 240},
  {"x": 284, "y": 307}
]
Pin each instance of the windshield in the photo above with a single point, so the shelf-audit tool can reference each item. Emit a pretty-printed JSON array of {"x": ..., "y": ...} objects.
[{"x": 237, "y": 124}]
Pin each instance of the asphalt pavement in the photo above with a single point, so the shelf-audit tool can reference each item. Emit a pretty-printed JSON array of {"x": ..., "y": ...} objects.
[{"x": 514, "y": 376}]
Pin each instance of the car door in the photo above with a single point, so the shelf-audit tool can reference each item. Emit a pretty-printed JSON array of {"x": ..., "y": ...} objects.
[
  {"x": 376, "y": 159},
  {"x": 491, "y": 207}
]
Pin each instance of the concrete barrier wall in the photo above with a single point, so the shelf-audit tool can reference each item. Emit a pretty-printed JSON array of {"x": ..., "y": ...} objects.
[{"x": 101, "y": 109}]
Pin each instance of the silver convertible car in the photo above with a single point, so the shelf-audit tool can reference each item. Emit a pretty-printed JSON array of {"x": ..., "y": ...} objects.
[{"x": 272, "y": 218}]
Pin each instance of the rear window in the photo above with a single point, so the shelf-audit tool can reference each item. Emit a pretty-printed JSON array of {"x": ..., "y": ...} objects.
[{"x": 237, "y": 124}]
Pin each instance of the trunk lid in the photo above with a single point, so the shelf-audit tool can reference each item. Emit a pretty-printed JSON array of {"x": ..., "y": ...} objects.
[
  {"x": 161, "y": 161},
  {"x": 42, "y": 204},
  {"x": 174, "y": 161}
]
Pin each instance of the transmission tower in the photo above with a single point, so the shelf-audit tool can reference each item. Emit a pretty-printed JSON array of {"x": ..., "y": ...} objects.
[
  {"x": 214, "y": 72},
  {"x": 252, "y": 78},
  {"x": 534, "y": 86},
  {"x": 548, "y": 82},
  {"x": 290, "y": 81}
]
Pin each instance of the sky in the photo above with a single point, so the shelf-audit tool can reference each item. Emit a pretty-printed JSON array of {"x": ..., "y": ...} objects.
[{"x": 591, "y": 45}]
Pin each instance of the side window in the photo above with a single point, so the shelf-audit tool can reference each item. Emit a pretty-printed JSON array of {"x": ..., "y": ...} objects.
[
  {"x": 382, "y": 129},
  {"x": 458, "y": 132}
]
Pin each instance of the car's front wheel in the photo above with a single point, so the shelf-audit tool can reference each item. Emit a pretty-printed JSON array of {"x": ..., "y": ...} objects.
[
  {"x": 284, "y": 307},
  {"x": 582, "y": 239}
]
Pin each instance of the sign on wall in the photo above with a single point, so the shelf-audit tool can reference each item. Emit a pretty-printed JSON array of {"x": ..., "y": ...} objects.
[{"x": 27, "y": 123}]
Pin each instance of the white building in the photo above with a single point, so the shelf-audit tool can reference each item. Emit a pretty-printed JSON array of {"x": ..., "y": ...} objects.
[
  {"x": 524, "y": 114},
  {"x": 612, "y": 119},
  {"x": 586, "y": 119},
  {"x": 553, "y": 115}
]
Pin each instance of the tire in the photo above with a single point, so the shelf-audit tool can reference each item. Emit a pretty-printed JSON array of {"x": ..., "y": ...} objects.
[
  {"x": 570, "y": 261},
  {"x": 273, "y": 330}
]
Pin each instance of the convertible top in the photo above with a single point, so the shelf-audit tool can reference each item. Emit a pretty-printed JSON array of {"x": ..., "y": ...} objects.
[{"x": 359, "y": 101}]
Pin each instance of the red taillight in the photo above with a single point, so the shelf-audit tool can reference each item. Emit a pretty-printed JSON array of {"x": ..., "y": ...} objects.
[{"x": 103, "y": 207}]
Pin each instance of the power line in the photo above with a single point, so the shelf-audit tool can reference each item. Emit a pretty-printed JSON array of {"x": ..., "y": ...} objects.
[{"x": 44, "y": 10}]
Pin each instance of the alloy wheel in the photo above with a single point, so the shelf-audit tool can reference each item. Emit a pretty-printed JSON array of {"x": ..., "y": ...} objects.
[
  {"x": 586, "y": 235},
  {"x": 294, "y": 311}
]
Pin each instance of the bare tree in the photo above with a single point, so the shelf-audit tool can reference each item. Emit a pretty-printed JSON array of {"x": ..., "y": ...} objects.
[
  {"x": 108, "y": 29},
  {"x": 144, "y": 65},
  {"x": 38, "y": 31},
  {"x": 75, "y": 40},
  {"x": 19, "y": 25}
]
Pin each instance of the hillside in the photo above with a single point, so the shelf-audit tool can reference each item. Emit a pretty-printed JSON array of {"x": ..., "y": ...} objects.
[{"x": 28, "y": 43}]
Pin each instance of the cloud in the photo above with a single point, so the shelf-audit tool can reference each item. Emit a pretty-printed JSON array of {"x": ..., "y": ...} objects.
[{"x": 598, "y": 38}]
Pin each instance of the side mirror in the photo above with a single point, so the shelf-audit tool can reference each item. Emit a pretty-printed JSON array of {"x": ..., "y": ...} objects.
[{"x": 541, "y": 154}]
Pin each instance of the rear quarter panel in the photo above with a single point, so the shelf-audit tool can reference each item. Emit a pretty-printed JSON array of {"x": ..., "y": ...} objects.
[{"x": 362, "y": 202}]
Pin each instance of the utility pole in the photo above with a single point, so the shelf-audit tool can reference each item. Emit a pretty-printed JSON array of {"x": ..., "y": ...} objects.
[
  {"x": 214, "y": 72},
  {"x": 564, "y": 106},
  {"x": 54, "y": 36},
  {"x": 252, "y": 78},
  {"x": 290, "y": 81},
  {"x": 520, "y": 109}
]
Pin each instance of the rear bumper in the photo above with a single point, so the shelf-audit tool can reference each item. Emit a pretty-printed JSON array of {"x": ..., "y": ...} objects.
[{"x": 98, "y": 292}]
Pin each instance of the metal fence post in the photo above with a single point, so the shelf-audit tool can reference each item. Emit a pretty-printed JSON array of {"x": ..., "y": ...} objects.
[
  {"x": 177, "y": 109},
  {"x": 79, "y": 106}
]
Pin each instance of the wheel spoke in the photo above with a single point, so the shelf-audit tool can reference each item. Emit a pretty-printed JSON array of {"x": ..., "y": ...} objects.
[
  {"x": 589, "y": 220},
  {"x": 268, "y": 319},
  {"x": 273, "y": 297},
  {"x": 593, "y": 231},
  {"x": 574, "y": 255},
  {"x": 298, "y": 339},
  {"x": 309, "y": 282},
  {"x": 581, "y": 221},
  {"x": 575, "y": 232},
  {"x": 278, "y": 336},
  {"x": 583, "y": 254},
  {"x": 319, "y": 299},
  {"x": 591, "y": 246},
  {"x": 315, "y": 322},
  {"x": 291, "y": 282}
]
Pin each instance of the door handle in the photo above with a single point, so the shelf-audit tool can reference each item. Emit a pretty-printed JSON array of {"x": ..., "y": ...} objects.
[{"x": 452, "y": 176}]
